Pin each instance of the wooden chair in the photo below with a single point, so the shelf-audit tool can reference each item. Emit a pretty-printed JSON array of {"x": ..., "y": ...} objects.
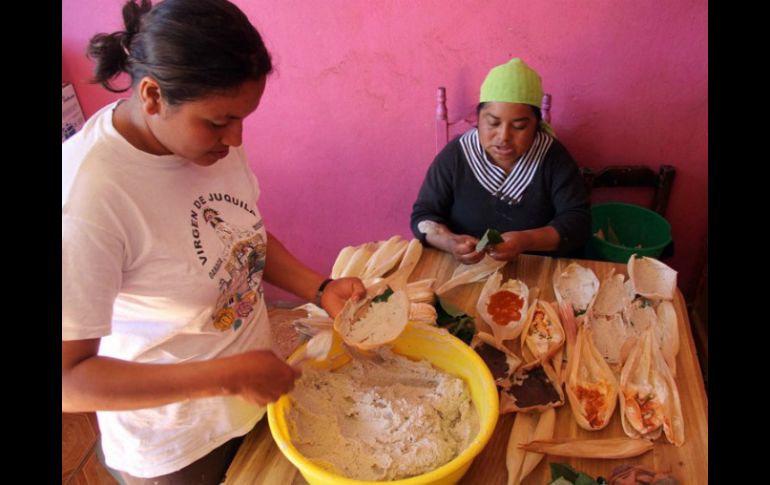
[
  {"x": 634, "y": 176},
  {"x": 443, "y": 123}
]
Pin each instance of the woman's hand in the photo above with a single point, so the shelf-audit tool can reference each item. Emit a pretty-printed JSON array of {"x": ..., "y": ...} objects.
[
  {"x": 262, "y": 377},
  {"x": 463, "y": 248},
  {"x": 338, "y": 291},
  {"x": 514, "y": 243}
]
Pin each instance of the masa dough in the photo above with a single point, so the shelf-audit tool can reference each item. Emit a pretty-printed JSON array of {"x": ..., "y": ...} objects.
[{"x": 388, "y": 420}]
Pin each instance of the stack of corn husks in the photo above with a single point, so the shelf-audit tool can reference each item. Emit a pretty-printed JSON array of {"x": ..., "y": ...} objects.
[{"x": 390, "y": 262}]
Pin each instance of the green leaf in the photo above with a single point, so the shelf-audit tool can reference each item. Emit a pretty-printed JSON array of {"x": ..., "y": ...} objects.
[
  {"x": 465, "y": 330},
  {"x": 490, "y": 238},
  {"x": 448, "y": 308},
  {"x": 584, "y": 479},
  {"x": 454, "y": 320},
  {"x": 559, "y": 470},
  {"x": 561, "y": 481},
  {"x": 383, "y": 296}
]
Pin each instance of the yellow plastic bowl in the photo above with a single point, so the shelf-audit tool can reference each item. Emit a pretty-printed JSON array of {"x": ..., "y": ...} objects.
[{"x": 418, "y": 341}]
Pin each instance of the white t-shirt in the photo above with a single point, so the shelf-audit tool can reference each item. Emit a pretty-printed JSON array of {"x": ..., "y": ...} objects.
[{"x": 162, "y": 259}]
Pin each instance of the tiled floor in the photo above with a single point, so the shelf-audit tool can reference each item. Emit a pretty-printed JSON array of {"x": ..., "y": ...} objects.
[{"x": 79, "y": 462}]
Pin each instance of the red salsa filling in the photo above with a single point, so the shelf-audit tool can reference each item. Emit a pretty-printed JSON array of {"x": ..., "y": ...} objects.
[{"x": 505, "y": 306}]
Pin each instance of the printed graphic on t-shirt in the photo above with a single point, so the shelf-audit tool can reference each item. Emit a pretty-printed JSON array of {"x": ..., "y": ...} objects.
[{"x": 237, "y": 262}]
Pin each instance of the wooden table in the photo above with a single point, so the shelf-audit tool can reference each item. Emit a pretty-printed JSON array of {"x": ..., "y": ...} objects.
[{"x": 260, "y": 462}]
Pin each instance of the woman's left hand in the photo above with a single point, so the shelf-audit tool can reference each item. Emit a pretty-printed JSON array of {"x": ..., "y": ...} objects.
[
  {"x": 514, "y": 243},
  {"x": 339, "y": 291}
]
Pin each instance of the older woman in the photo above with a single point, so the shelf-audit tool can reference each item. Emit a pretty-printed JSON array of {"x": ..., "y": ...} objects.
[{"x": 509, "y": 174}]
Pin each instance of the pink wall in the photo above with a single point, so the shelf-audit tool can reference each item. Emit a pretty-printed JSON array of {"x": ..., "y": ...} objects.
[{"x": 345, "y": 131}]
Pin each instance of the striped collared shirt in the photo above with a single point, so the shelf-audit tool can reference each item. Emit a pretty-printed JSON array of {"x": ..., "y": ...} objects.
[{"x": 508, "y": 188}]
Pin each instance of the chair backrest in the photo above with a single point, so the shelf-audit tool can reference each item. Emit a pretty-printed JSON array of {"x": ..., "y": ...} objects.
[
  {"x": 634, "y": 176},
  {"x": 443, "y": 123}
]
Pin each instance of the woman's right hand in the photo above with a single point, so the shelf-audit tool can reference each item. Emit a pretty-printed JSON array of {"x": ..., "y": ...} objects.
[
  {"x": 463, "y": 248},
  {"x": 263, "y": 377}
]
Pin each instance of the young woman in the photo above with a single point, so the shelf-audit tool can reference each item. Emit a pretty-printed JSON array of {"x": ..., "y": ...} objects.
[{"x": 164, "y": 325}]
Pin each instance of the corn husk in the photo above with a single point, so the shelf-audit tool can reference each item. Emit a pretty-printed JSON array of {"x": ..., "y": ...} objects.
[
  {"x": 649, "y": 398},
  {"x": 409, "y": 254},
  {"x": 651, "y": 278},
  {"x": 348, "y": 323},
  {"x": 607, "y": 448},
  {"x": 609, "y": 319},
  {"x": 310, "y": 326},
  {"x": 640, "y": 314},
  {"x": 559, "y": 364},
  {"x": 512, "y": 328},
  {"x": 423, "y": 313},
  {"x": 546, "y": 426},
  {"x": 527, "y": 427},
  {"x": 542, "y": 335},
  {"x": 576, "y": 286},
  {"x": 609, "y": 335},
  {"x": 385, "y": 258},
  {"x": 410, "y": 258},
  {"x": 612, "y": 296},
  {"x": 587, "y": 372},
  {"x": 312, "y": 310},
  {"x": 521, "y": 432},
  {"x": 667, "y": 333},
  {"x": 421, "y": 291},
  {"x": 342, "y": 260},
  {"x": 395, "y": 280},
  {"x": 470, "y": 273},
  {"x": 358, "y": 260},
  {"x": 310, "y": 319}
]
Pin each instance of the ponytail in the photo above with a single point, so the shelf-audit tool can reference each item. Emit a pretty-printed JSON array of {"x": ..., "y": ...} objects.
[
  {"x": 191, "y": 48},
  {"x": 111, "y": 51}
]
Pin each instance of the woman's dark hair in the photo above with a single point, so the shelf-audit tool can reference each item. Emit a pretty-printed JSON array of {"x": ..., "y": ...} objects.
[
  {"x": 535, "y": 109},
  {"x": 192, "y": 48}
]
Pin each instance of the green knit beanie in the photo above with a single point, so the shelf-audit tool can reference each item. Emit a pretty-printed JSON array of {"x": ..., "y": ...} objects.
[{"x": 512, "y": 82}]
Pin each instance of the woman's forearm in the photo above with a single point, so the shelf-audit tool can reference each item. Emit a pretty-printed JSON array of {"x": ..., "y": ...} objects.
[
  {"x": 440, "y": 237},
  {"x": 101, "y": 383},
  {"x": 97, "y": 383},
  {"x": 541, "y": 239},
  {"x": 285, "y": 271},
  {"x": 517, "y": 242}
]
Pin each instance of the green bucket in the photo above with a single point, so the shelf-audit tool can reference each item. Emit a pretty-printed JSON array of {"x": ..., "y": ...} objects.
[{"x": 627, "y": 229}]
